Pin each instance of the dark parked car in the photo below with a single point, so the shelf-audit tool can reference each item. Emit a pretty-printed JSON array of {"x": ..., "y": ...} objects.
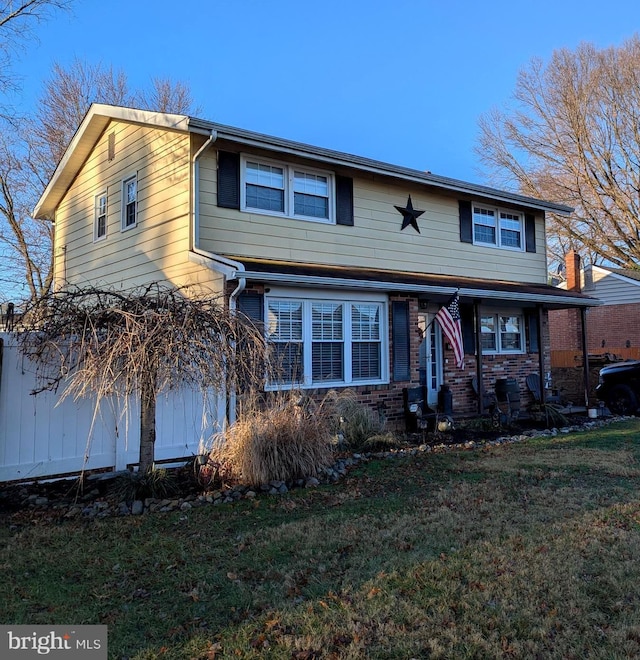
[{"x": 619, "y": 387}]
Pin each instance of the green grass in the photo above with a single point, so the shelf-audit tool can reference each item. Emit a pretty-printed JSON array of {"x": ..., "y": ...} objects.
[{"x": 529, "y": 550}]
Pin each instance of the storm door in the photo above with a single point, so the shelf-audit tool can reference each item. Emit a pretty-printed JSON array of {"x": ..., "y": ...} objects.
[{"x": 430, "y": 357}]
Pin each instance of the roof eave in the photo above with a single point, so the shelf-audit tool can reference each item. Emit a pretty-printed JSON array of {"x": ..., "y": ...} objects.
[
  {"x": 547, "y": 300},
  {"x": 329, "y": 156},
  {"x": 91, "y": 128}
]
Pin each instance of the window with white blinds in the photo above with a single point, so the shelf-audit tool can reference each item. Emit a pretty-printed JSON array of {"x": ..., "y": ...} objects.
[{"x": 326, "y": 342}]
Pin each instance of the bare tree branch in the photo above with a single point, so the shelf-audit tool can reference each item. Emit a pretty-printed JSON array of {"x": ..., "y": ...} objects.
[
  {"x": 97, "y": 342},
  {"x": 573, "y": 136},
  {"x": 30, "y": 151}
]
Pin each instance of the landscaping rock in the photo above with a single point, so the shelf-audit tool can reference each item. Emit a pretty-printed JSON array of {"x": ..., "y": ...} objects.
[{"x": 137, "y": 507}]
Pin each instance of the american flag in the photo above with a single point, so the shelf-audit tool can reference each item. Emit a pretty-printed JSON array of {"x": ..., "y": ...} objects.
[{"x": 449, "y": 320}]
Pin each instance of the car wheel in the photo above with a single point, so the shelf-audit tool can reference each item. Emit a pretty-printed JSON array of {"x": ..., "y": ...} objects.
[{"x": 622, "y": 401}]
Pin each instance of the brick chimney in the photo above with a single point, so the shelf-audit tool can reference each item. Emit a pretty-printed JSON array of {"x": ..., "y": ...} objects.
[{"x": 572, "y": 265}]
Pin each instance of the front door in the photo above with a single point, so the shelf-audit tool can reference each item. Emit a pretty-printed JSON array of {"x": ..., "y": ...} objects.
[{"x": 430, "y": 357}]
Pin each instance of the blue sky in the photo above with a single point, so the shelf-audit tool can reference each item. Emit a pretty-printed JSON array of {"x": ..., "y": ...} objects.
[{"x": 403, "y": 81}]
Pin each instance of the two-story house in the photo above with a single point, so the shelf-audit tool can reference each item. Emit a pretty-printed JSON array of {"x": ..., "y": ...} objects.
[{"x": 345, "y": 259}]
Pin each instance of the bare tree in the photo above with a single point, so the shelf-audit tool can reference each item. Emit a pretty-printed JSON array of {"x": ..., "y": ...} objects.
[
  {"x": 146, "y": 341},
  {"x": 16, "y": 29},
  {"x": 573, "y": 136},
  {"x": 30, "y": 151},
  {"x": 166, "y": 95}
]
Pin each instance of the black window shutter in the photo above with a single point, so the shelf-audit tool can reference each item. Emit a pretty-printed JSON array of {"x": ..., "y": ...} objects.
[
  {"x": 228, "y": 180},
  {"x": 400, "y": 338},
  {"x": 466, "y": 221},
  {"x": 468, "y": 329},
  {"x": 344, "y": 200},
  {"x": 532, "y": 322},
  {"x": 251, "y": 305},
  {"x": 530, "y": 232}
]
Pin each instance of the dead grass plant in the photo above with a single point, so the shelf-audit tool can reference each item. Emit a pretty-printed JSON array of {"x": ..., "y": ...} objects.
[
  {"x": 288, "y": 438},
  {"x": 356, "y": 422}
]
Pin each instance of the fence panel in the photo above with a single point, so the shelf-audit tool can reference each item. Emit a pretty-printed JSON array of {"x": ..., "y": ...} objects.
[{"x": 43, "y": 436}]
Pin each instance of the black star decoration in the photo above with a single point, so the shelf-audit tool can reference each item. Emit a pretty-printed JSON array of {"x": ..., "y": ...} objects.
[{"x": 409, "y": 215}]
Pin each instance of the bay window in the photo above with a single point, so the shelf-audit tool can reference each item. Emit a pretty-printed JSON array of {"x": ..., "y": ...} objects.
[{"x": 319, "y": 341}]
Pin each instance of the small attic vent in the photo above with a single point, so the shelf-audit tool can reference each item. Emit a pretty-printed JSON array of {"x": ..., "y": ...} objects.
[{"x": 111, "y": 146}]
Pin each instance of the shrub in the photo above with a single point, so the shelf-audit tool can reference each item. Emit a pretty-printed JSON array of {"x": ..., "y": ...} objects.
[
  {"x": 156, "y": 482},
  {"x": 288, "y": 438}
]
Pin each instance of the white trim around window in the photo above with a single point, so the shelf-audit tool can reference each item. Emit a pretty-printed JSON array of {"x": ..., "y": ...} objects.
[
  {"x": 503, "y": 332},
  {"x": 498, "y": 227},
  {"x": 100, "y": 217},
  {"x": 293, "y": 191},
  {"x": 129, "y": 202},
  {"x": 320, "y": 339}
]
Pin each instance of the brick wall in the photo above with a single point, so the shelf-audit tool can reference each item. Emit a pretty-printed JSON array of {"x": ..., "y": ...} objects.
[
  {"x": 387, "y": 399},
  {"x": 565, "y": 329},
  {"x": 613, "y": 326}
]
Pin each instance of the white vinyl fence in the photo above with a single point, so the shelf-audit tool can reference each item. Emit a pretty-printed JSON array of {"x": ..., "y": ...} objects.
[{"x": 41, "y": 436}]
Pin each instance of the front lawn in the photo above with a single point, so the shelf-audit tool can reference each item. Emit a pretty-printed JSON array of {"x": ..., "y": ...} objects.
[{"x": 528, "y": 550}]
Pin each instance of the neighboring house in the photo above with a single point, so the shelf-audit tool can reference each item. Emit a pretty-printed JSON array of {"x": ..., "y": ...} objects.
[
  {"x": 346, "y": 260},
  {"x": 614, "y": 326}
]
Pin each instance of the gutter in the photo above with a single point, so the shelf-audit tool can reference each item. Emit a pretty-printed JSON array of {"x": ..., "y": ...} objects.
[{"x": 337, "y": 158}]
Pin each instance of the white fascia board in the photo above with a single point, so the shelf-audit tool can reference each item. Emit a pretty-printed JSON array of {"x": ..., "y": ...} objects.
[{"x": 618, "y": 276}]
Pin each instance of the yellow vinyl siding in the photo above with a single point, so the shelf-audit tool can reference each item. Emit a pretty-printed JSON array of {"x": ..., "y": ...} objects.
[
  {"x": 157, "y": 249},
  {"x": 375, "y": 241}
]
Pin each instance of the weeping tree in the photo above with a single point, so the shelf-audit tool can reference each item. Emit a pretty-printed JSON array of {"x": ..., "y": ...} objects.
[{"x": 96, "y": 342}]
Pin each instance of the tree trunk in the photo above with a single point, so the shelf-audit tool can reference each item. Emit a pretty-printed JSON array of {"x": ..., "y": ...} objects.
[{"x": 147, "y": 424}]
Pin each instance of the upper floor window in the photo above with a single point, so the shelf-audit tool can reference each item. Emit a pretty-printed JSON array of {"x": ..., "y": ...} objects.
[
  {"x": 100, "y": 217},
  {"x": 494, "y": 226},
  {"x": 502, "y": 333},
  {"x": 129, "y": 202},
  {"x": 282, "y": 189},
  {"x": 324, "y": 341}
]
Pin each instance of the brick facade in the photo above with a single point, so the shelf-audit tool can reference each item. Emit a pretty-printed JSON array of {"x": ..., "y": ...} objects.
[
  {"x": 613, "y": 326},
  {"x": 387, "y": 399}
]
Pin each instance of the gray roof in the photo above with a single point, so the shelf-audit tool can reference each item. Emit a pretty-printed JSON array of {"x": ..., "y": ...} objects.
[
  {"x": 631, "y": 273},
  {"x": 99, "y": 116},
  {"x": 282, "y": 145}
]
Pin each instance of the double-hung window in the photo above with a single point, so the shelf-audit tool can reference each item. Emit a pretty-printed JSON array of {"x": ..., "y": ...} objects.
[
  {"x": 289, "y": 190},
  {"x": 502, "y": 333},
  {"x": 498, "y": 227},
  {"x": 319, "y": 341},
  {"x": 129, "y": 202},
  {"x": 100, "y": 217}
]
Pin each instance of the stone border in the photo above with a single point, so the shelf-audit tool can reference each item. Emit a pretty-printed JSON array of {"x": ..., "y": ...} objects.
[{"x": 102, "y": 508}]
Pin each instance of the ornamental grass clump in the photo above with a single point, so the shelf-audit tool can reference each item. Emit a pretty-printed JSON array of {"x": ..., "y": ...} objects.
[
  {"x": 286, "y": 439},
  {"x": 357, "y": 422}
]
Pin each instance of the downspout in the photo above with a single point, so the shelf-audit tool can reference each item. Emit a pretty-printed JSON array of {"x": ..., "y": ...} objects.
[{"x": 228, "y": 268}]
